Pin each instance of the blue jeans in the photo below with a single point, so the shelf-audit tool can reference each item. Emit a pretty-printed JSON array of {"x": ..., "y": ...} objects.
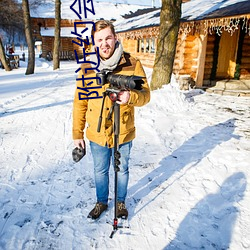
[{"x": 102, "y": 157}]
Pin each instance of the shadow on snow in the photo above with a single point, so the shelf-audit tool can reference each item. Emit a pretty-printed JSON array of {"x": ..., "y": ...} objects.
[
  {"x": 23, "y": 110},
  {"x": 209, "y": 225},
  {"x": 190, "y": 153},
  {"x": 215, "y": 220}
]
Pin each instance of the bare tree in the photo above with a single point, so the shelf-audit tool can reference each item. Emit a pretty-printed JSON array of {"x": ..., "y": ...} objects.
[
  {"x": 28, "y": 33},
  {"x": 11, "y": 24},
  {"x": 11, "y": 16},
  {"x": 56, "y": 58},
  {"x": 36, "y": 3},
  {"x": 3, "y": 57},
  {"x": 168, "y": 34}
]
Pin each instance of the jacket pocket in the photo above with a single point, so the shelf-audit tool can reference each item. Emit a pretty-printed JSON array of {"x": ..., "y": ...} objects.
[{"x": 127, "y": 120}]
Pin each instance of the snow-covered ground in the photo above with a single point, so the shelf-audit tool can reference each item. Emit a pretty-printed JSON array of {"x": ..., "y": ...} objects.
[{"x": 189, "y": 170}]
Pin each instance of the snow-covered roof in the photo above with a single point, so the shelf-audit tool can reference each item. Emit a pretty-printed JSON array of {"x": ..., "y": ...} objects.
[
  {"x": 105, "y": 10},
  {"x": 65, "y": 32},
  {"x": 145, "y": 20},
  {"x": 205, "y": 9},
  {"x": 191, "y": 11}
]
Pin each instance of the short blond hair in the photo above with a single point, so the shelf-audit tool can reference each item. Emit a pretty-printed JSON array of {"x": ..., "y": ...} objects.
[{"x": 103, "y": 24}]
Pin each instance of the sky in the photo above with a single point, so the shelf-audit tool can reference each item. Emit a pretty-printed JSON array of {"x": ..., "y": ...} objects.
[
  {"x": 103, "y": 9},
  {"x": 189, "y": 169},
  {"x": 157, "y": 3}
]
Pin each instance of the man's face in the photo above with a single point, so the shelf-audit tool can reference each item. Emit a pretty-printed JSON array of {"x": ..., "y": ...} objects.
[{"x": 105, "y": 40}]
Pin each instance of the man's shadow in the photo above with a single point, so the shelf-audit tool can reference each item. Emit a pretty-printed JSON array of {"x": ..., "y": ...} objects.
[
  {"x": 210, "y": 223},
  {"x": 187, "y": 155}
]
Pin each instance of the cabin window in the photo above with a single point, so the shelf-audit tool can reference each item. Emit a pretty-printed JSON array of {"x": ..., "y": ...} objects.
[
  {"x": 152, "y": 45},
  {"x": 146, "y": 45},
  {"x": 140, "y": 45}
]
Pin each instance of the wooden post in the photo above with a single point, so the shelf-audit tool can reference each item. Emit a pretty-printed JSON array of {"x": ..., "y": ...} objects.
[{"x": 201, "y": 60}]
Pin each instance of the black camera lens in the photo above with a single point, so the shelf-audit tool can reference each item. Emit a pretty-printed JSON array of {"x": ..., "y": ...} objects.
[{"x": 119, "y": 81}]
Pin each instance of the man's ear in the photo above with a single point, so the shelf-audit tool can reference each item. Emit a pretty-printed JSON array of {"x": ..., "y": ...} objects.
[{"x": 94, "y": 47}]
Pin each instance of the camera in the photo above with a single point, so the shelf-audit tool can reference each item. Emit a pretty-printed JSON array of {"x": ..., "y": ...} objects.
[
  {"x": 78, "y": 153},
  {"x": 119, "y": 81}
]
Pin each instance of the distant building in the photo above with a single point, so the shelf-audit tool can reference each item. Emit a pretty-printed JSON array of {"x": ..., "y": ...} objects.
[{"x": 43, "y": 22}]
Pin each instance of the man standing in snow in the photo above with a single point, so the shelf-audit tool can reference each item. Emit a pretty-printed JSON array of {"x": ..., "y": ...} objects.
[{"x": 112, "y": 58}]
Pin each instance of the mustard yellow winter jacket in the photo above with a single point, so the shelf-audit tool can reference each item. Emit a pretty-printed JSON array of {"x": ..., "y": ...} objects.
[{"x": 88, "y": 111}]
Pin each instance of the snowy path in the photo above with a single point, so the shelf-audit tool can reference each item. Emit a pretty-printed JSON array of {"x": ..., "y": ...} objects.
[{"x": 189, "y": 171}]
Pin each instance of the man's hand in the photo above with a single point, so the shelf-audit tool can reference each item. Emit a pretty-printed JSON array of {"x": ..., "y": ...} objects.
[
  {"x": 79, "y": 143},
  {"x": 123, "y": 97},
  {"x": 79, "y": 151}
]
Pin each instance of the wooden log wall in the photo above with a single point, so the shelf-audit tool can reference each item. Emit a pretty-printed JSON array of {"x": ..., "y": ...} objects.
[
  {"x": 190, "y": 56},
  {"x": 47, "y": 45},
  {"x": 133, "y": 41},
  {"x": 209, "y": 58},
  {"x": 131, "y": 46},
  {"x": 186, "y": 52},
  {"x": 146, "y": 59},
  {"x": 50, "y": 22},
  {"x": 245, "y": 60},
  {"x": 179, "y": 60},
  {"x": 66, "y": 47},
  {"x": 186, "y": 55}
]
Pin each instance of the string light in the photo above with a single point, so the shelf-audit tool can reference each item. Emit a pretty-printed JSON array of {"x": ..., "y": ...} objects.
[{"x": 218, "y": 25}]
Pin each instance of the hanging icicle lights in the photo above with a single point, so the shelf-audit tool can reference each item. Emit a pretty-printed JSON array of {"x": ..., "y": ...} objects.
[{"x": 229, "y": 24}]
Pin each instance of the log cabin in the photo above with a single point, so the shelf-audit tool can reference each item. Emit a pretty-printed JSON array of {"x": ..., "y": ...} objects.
[
  {"x": 43, "y": 31},
  {"x": 213, "y": 41}
]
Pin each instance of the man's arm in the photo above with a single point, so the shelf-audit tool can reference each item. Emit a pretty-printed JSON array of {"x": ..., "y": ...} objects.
[
  {"x": 140, "y": 97},
  {"x": 79, "y": 115}
]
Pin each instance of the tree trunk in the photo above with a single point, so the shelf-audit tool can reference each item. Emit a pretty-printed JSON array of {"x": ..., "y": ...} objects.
[
  {"x": 56, "y": 59},
  {"x": 3, "y": 57},
  {"x": 29, "y": 38},
  {"x": 168, "y": 34}
]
